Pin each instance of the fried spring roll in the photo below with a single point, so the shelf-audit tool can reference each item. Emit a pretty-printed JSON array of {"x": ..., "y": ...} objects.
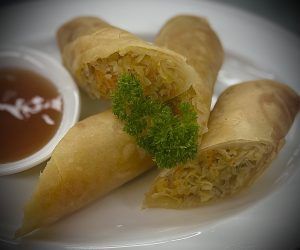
[
  {"x": 246, "y": 130},
  {"x": 94, "y": 157},
  {"x": 192, "y": 37},
  {"x": 97, "y": 156},
  {"x": 96, "y": 53}
]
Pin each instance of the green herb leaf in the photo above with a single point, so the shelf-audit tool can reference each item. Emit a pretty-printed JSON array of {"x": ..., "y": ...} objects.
[{"x": 170, "y": 138}]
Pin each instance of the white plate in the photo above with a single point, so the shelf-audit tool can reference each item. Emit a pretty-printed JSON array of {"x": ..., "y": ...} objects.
[{"x": 258, "y": 218}]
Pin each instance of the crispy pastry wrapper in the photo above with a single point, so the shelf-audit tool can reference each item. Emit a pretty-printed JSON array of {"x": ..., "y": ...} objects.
[
  {"x": 96, "y": 53},
  {"x": 192, "y": 37},
  {"x": 94, "y": 157},
  {"x": 246, "y": 130}
]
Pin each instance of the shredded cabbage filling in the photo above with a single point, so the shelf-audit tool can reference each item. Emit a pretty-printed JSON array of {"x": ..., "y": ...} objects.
[
  {"x": 158, "y": 76},
  {"x": 220, "y": 172}
]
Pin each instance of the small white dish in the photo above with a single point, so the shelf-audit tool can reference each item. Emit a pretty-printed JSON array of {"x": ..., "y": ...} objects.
[{"x": 43, "y": 64}]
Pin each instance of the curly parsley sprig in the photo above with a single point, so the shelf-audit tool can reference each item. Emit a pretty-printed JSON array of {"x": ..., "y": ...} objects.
[{"x": 170, "y": 138}]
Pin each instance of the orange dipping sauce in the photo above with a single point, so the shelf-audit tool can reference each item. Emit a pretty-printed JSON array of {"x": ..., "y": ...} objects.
[{"x": 30, "y": 113}]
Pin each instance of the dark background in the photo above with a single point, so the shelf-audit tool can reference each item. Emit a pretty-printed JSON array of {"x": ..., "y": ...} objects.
[{"x": 285, "y": 13}]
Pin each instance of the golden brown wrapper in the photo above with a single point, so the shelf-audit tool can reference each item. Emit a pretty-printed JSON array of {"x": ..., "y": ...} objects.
[
  {"x": 246, "y": 130},
  {"x": 94, "y": 157},
  {"x": 261, "y": 110},
  {"x": 193, "y": 37},
  {"x": 96, "y": 54}
]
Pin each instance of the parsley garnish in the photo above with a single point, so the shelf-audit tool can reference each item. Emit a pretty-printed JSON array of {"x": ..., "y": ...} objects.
[{"x": 170, "y": 138}]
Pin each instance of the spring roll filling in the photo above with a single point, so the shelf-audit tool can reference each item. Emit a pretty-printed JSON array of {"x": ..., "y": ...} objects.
[
  {"x": 158, "y": 76},
  {"x": 220, "y": 172}
]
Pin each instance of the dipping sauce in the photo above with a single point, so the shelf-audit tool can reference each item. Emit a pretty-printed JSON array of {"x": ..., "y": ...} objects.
[{"x": 30, "y": 113}]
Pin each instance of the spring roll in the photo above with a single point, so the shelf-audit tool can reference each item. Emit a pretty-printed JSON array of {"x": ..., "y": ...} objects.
[
  {"x": 97, "y": 156},
  {"x": 93, "y": 158},
  {"x": 96, "y": 53},
  {"x": 246, "y": 130},
  {"x": 192, "y": 37}
]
